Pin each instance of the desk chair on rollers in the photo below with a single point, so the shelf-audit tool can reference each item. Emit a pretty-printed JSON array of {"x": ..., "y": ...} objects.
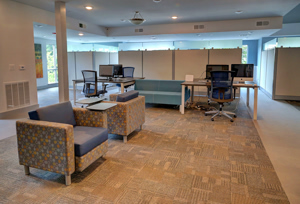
[
  {"x": 127, "y": 73},
  {"x": 221, "y": 92},
  {"x": 90, "y": 87}
]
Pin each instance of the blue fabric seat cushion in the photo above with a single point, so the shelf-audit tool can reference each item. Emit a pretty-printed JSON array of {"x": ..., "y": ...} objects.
[
  {"x": 59, "y": 113},
  {"x": 127, "y": 96},
  {"x": 87, "y": 138},
  {"x": 164, "y": 97},
  {"x": 33, "y": 115}
]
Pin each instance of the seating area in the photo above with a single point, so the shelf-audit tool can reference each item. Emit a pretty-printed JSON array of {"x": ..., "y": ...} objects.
[{"x": 62, "y": 139}]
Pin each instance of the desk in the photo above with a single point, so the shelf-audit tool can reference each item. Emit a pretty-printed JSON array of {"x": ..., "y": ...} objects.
[
  {"x": 247, "y": 85},
  {"x": 122, "y": 81}
]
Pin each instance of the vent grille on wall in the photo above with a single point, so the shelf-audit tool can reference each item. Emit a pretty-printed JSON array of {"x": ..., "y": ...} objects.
[
  {"x": 197, "y": 27},
  {"x": 262, "y": 23},
  {"x": 17, "y": 94},
  {"x": 139, "y": 30}
]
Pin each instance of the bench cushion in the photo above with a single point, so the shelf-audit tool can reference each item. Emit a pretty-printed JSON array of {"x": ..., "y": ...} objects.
[
  {"x": 127, "y": 96},
  {"x": 59, "y": 113},
  {"x": 87, "y": 138}
]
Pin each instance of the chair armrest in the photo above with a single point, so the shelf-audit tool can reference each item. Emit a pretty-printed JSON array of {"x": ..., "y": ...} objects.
[
  {"x": 125, "y": 117},
  {"x": 113, "y": 97},
  {"x": 46, "y": 145},
  {"x": 85, "y": 117}
]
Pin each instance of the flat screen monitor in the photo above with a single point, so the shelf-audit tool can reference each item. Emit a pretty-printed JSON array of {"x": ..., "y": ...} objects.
[
  {"x": 243, "y": 72},
  {"x": 118, "y": 71},
  {"x": 215, "y": 67},
  {"x": 106, "y": 70}
]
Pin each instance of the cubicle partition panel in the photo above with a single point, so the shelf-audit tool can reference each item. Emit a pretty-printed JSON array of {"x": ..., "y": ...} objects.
[
  {"x": 225, "y": 56},
  {"x": 84, "y": 61},
  {"x": 287, "y": 74},
  {"x": 113, "y": 58},
  {"x": 71, "y": 67},
  {"x": 270, "y": 71},
  {"x": 158, "y": 64},
  {"x": 190, "y": 62},
  {"x": 132, "y": 59},
  {"x": 100, "y": 58}
]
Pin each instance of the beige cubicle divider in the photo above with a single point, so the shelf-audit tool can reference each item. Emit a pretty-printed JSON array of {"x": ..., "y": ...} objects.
[
  {"x": 270, "y": 71},
  {"x": 288, "y": 73},
  {"x": 71, "y": 67},
  {"x": 158, "y": 64},
  {"x": 132, "y": 59},
  {"x": 100, "y": 58},
  {"x": 225, "y": 56},
  {"x": 263, "y": 69},
  {"x": 113, "y": 58},
  {"x": 84, "y": 61},
  {"x": 190, "y": 62}
]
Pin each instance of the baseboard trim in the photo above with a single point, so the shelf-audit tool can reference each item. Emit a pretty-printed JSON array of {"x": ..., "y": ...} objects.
[
  {"x": 265, "y": 92},
  {"x": 47, "y": 86},
  {"x": 18, "y": 112},
  {"x": 282, "y": 97}
]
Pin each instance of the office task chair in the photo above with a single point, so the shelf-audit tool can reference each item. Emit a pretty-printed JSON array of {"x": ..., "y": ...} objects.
[
  {"x": 127, "y": 72},
  {"x": 221, "y": 92},
  {"x": 90, "y": 87}
]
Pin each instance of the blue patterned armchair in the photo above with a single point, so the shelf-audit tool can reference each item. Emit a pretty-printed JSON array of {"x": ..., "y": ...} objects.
[{"x": 62, "y": 139}]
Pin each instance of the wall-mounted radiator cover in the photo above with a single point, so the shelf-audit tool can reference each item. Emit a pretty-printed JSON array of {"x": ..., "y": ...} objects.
[{"x": 17, "y": 94}]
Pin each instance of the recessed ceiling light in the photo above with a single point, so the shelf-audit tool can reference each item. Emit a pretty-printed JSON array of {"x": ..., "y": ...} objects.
[
  {"x": 156, "y": 1},
  {"x": 88, "y": 8},
  {"x": 174, "y": 17},
  {"x": 80, "y": 34},
  {"x": 153, "y": 37},
  {"x": 239, "y": 12}
]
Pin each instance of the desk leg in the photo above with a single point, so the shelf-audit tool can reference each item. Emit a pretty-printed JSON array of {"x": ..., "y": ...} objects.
[
  {"x": 247, "y": 96},
  {"x": 182, "y": 99},
  {"x": 74, "y": 92},
  {"x": 192, "y": 94},
  {"x": 255, "y": 103},
  {"x": 122, "y": 87}
]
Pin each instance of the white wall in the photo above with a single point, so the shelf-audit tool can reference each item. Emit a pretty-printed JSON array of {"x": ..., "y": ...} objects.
[{"x": 17, "y": 43}]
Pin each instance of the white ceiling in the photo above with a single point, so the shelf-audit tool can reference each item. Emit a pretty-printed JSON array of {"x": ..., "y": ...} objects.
[
  {"x": 108, "y": 13},
  {"x": 45, "y": 32}
]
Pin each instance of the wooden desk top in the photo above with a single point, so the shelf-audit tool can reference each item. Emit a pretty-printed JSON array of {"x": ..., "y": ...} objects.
[
  {"x": 114, "y": 80},
  {"x": 205, "y": 83}
]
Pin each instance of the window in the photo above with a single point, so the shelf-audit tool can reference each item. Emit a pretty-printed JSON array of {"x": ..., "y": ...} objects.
[
  {"x": 244, "y": 54},
  {"x": 52, "y": 64}
]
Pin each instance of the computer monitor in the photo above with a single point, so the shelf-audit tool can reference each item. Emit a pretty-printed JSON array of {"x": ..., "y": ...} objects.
[
  {"x": 106, "y": 70},
  {"x": 118, "y": 69},
  {"x": 243, "y": 72},
  {"x": 215, "y": 67}
]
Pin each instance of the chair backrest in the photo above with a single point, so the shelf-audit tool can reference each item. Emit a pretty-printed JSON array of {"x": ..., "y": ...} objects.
[
  {"x": 221, "y": 85},
  {"x": 128, "y": 71},
  {"x": 89, "y": 77}
]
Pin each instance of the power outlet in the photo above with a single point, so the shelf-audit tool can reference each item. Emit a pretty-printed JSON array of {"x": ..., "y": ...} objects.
[{"x": 22, "y": 67}]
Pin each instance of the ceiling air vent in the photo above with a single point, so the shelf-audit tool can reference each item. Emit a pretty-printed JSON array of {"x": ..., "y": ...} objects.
[
  {"x": 197, "y": 27},
  {"x": 139, "y": 30},
  {"x": 262, "y": 23},
  {"x": 81, "y": 25}
]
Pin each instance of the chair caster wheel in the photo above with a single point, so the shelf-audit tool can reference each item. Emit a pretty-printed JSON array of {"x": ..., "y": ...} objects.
[
  {"x": 231, "y": 120},
  {"x": 205, "y": 114},
  {"x": 212, "y": 119},
  {"x": 234, "y": 116}
]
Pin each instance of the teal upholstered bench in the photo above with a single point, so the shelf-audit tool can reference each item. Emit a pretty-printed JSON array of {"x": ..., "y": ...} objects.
[{"x": 161, "y": 91}]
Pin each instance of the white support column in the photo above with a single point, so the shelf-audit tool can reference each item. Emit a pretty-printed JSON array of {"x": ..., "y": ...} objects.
[{"x": 62, "y": 55}]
